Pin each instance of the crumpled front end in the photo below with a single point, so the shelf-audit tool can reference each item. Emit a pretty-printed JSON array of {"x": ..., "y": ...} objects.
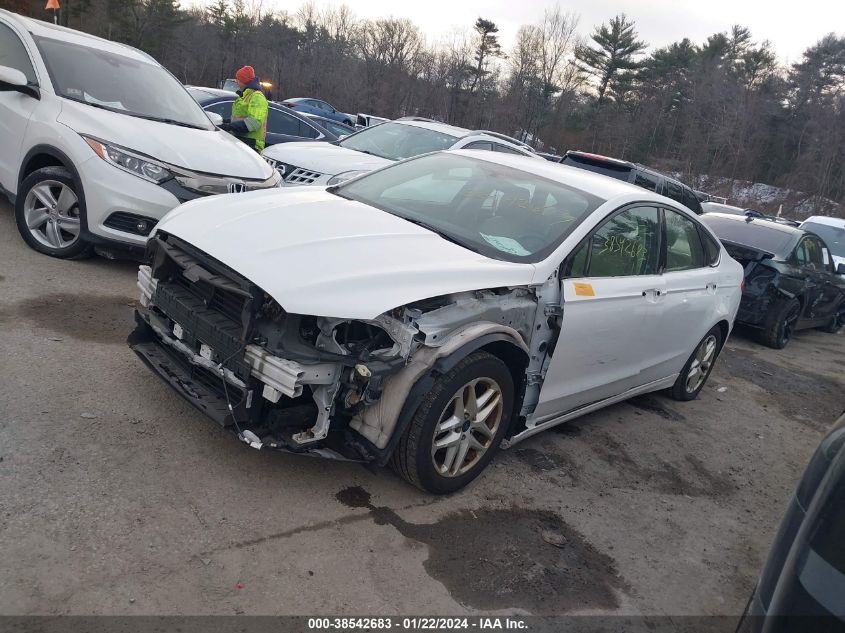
[{"x": 305, "y": 383}]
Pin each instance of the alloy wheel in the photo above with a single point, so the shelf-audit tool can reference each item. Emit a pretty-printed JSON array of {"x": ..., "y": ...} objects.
[
  {"x": 701, "y": 364},
  {"x": 789, "y": 323},
  {"x": 51, "y": 212},
  {"x": 467, "y": 426}
]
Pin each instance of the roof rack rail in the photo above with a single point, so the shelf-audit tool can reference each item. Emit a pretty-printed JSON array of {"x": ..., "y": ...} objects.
[
  {"x": 417, "y": 118},
  {"x": 504, "y": 137},
  {"x": 751, "y": 214}
]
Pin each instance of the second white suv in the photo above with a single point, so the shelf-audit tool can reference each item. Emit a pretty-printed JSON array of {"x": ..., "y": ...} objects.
[
  {"x": 379, "y": 146},
  {"x": 98, "y": 141}
]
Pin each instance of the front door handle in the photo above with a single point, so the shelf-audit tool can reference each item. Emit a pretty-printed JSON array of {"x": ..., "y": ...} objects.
[{"x": 652, "y": 291}]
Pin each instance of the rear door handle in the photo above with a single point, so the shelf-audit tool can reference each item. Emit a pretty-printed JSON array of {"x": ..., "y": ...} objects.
[{"x": 653, "y": 291}]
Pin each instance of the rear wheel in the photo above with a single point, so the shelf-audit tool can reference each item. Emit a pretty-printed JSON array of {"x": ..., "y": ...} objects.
[
  {"x": 780, "y": 323},
  {"x": 49, "y": 213},
  {"x": 836, "y": 322},
  {"x": 697, "y": 369},
  {"x": 458, "y": 426}
]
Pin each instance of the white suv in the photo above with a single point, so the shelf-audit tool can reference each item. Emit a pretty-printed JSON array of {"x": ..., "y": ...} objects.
[
  {"x": 379, "y": 146},
  {"x": 99, "y": 141},
  {"x": 832, "y": 231}
]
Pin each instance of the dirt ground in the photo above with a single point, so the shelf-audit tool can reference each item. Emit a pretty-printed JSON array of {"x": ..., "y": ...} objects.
[{"x": 116, "y": 497}]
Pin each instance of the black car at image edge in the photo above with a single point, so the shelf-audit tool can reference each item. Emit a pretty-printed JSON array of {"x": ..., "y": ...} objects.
[{"x": 790, "y": 279}]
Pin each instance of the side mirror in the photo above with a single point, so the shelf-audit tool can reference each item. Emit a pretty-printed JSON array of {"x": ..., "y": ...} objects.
[
  {"x": 13, "y": 80},
  {"x": 840, "y": 269},
  {"x": 215, "y": 118}
]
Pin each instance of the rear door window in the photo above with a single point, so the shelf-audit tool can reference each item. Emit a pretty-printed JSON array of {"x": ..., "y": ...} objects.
[
  {"x": 684, "y": 250},
  {"x": 711, "y": 247},
  {"x": 505, "y": 149},
  {"x": 646, "y": 180},
  {"x": 485, "y": 145},
  {"x": 673, "y": 190},
  {"x": 691, "y": 201}
]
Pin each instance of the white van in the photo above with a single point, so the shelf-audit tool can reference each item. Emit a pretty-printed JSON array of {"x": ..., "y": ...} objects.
[{"x": 99, "y": 141}]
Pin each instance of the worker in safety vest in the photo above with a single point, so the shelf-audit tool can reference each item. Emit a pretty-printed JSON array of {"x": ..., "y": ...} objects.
[{"x": 249, "y": 110}]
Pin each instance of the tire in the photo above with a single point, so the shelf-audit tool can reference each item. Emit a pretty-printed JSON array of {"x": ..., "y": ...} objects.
[
  {"x": 50, "y": 214},
  {"x": 836, "y": 322},
  {"x": 697, "y": 369},
  {"x": 414, "y": 458},
  {"x": 780, "y": 323}
]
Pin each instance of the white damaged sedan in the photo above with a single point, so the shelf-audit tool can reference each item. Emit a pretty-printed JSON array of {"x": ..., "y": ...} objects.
[{"x": 427, "y": 313}]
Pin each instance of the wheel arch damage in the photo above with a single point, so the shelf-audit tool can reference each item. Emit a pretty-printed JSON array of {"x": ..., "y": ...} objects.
[{"x": 383, "y": 422}]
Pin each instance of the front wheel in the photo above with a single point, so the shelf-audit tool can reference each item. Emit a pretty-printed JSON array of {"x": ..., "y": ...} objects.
[
  {"x": 49, "y": 212},
  {"x": 697, "y": 369},
  {"x": 458, "y": 426}
]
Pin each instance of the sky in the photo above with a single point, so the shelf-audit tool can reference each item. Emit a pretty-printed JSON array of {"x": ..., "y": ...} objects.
[{"x": 791, "y": 27}]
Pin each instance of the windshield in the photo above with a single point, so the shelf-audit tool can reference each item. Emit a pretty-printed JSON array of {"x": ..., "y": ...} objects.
[
  {"x": 119, "y": 83},
  {"x": 396, "y": 141},
  {"x": 832, "y": 236},
  {"x": 498, "y": 211}
]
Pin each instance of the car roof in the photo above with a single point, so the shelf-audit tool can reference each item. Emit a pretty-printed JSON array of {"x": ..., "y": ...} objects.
[
  {"x": 47, "y": 30},
  {"x": 827, "y": 220},
  {"x": 600, "y": 186},
  {"x": 213, "y": 92}
]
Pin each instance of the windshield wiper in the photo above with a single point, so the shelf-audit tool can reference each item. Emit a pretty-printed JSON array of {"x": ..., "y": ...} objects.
[
  {"x": 446, "y": 236},
  {"x": 166, "y": 120},
  {"x": 135, "y": 114}
]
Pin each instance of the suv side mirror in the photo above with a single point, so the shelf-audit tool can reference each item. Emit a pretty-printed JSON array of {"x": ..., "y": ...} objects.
[
  {"x": 840, "y": 269},
  {"x": 13, "y": 80}
]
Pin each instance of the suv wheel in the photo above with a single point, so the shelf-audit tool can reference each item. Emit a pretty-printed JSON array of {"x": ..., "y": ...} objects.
[
  {"x": 697, "y": 369},
  {"x": 49, "y": 213},
  {"x": 458, "y": 426}
]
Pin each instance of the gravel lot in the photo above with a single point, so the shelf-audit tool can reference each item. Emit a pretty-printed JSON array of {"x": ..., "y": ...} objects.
[{"x": 116, "y": 497}]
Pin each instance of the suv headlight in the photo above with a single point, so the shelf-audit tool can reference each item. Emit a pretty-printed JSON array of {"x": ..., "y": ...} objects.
[
  {"x": 347, "y": 175},
  {"x": 129, "y": 161}
]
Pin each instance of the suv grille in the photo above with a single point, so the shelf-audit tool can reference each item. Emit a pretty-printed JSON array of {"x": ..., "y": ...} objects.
[{"x": 301, "y": 176}]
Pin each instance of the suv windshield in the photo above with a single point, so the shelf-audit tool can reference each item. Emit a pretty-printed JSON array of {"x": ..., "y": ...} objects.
[
  {"x": 119, "y": 83},
  {"x": 396, "y": 141},
  {"x": 832, "y": 236},
  {"x": 498, "y": 211}
]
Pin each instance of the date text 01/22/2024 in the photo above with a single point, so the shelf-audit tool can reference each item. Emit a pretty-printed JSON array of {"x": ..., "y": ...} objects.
[{"x": 421, "y": 623}]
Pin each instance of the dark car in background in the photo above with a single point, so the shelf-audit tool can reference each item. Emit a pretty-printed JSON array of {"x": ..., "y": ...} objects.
[
  {"x": 321, "y": 108},
  {"x": 790, "y": 279},
  {"x": 802, "y": 585},
  {"x": 283, "y": 124},
  {"x": 338, "y": 129},
  {"x": 635, "y": 174}
]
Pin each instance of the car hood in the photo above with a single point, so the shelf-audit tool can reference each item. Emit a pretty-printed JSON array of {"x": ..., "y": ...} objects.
[
  {"x": 325, "y": 158},
  {"x": 322, "y": 255},
  {"x": 207, "y": 151}
]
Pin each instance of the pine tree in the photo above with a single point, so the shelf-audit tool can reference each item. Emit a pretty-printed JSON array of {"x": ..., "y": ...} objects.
[{"x": 616, "y": 47}]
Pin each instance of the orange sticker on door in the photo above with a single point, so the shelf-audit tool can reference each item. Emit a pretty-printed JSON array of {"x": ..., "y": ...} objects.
[{"x": 584, "y": 290}]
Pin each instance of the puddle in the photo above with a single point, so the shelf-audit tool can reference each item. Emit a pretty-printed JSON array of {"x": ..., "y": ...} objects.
[
  {"x": 653, "y": 404},
  {"x": 688, "y": 477},
  {"x": 508, "y": 558},
  {"x": 100, "y": 318}
]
